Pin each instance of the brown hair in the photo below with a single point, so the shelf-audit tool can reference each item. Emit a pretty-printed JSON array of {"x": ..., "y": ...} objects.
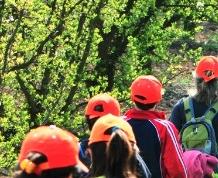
[
  {"x": 207, "y": 92},
  {"x": 120, "y": 159},
  {"x": 98, "y": 155},
  {"x": 38, "y": 158},
  {"x": 145, "y": 107},
  {"x": 91, "y": 122},
  {"x": 115, "y": 159}
]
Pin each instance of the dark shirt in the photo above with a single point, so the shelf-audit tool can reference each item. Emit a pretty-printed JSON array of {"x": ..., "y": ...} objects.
[
  {"x": 142, "y": 168},
  {"x": 143, "y": 129},
  {"x": 83, "y": 153}
]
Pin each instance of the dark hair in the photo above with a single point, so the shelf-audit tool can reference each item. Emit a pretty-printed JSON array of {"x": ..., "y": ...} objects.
[
  {"x": 91, "y": 122},
  {"x": 207, "y": 92},
  {"x": 38, "y": 158},
  {"x": 98, "y": 156},
  {"x": 120, "y": 159},
  {"x": 144, "y": 106}
]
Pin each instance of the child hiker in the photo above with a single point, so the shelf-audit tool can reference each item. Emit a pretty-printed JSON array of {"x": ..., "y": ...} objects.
[
  {"x": 113, "y": 149},
  {"x": 49, "y": 152},
  {"x": 156, "y": 138}
]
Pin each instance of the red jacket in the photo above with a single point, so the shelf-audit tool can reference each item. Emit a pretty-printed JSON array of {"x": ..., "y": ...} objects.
[{"x": 158, "y": 142}]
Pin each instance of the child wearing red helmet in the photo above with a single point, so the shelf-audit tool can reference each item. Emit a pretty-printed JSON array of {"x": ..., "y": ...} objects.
[
  {"x": 113, "y": 149},
  {"x": 99, "y": 105},
  {"x": 156, "y": 137},
  {"x": 49, "y": 151}
]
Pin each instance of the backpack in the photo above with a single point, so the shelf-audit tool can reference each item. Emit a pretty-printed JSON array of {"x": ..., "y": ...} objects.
[{"x": 198, "y": 133}]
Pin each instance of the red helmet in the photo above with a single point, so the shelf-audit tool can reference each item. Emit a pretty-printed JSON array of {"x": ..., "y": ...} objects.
[
  {"x": 207, "y": 68},
  {"x": 146, "y": 89},
  {"x": 101, "y": 105},
  {"x": 59, "y": 146}
]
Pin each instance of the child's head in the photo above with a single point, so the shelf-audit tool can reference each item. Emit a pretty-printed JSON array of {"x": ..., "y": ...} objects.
[
  {"x": 112, "y": 147},
  {"x": 48, "y": 151},
  {"x": 101, "y": 105},
  {"x": 146, "y": 91}
]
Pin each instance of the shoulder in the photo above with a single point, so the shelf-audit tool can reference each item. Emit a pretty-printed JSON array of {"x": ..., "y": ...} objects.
[
  {"x": 165, "y": 126},
  {"x": 180, "y": 103},
  {"x": 142, "y": 167},
  {"x": 163, "y": 123},
  {"x": 178, "y": 109}
]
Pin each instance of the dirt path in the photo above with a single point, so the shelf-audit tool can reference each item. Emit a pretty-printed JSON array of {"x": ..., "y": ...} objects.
[{"x": 173, "y": 93}]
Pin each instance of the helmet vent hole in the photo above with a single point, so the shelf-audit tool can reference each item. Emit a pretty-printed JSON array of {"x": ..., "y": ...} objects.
[
  {"x": 99, "y": 108},
  {"x": 208, "y": 73},
  {"x": 140, "y": 97},
  {"x": 111, "y": 130}
]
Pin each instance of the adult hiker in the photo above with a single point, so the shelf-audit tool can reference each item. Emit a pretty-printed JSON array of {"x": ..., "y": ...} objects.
[
  {"x": 196, "y": 117},
  {"x": 156, "y": 137},
  {"x": 113, "y": 149},
  {"x": 202, "y": 108},
  {"x": 49, "y": 152}
]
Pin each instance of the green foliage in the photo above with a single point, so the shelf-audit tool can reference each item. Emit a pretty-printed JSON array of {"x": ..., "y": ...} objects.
[
  {"x": 211, "y": 44},
  {"x": 56, "y": 54}
]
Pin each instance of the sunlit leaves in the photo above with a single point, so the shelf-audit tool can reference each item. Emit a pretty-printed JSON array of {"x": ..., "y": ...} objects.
[{"x": 56, "y": 54}]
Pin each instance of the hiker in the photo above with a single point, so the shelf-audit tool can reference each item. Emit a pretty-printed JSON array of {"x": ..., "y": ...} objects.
[
  {"x": 98, "y": 106},
  {"x": 113, "y": 149},
  {"x": 156, "y": 137},
  {"x": 50, "y": 152},
  {"x": 204, "y": 101}
]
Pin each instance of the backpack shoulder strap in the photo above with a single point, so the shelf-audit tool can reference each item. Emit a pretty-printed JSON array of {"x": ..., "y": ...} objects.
[
  {"x": 211, "y": 112},
  {"x": 188, "y": 108}
]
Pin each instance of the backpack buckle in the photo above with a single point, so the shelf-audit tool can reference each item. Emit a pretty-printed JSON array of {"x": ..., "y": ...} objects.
[{"x": 195, "y": 130}]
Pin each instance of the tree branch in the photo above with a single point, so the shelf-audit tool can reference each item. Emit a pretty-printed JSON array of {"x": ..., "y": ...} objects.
[
  {"x": 2, "y": 6},
  {"x": 128, "y": 7},
  {"x": 52, "y": 12},
  {"x": 2, "y": 110},
  {"x": 55, "y": 32},
  {"x": 81, "y": 65},
  {"x": 188, "y": 5},
  {"x": 10, "y": 42},
  {"x": 45, "y": 81},
  {"x": 81, "y": 24},
  {"x": 34, "y": 106},
  {"x": 72, "y": 8},
  {"x": 79, "y": 70},
  {"x": 173, "y": 76}
]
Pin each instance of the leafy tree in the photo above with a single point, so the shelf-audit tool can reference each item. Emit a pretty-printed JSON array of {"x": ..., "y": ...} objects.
[{"x": 56, "y": 54}]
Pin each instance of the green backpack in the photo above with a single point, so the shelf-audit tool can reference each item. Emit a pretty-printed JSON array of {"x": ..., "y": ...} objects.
[{"x": 198, "y": 133}]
